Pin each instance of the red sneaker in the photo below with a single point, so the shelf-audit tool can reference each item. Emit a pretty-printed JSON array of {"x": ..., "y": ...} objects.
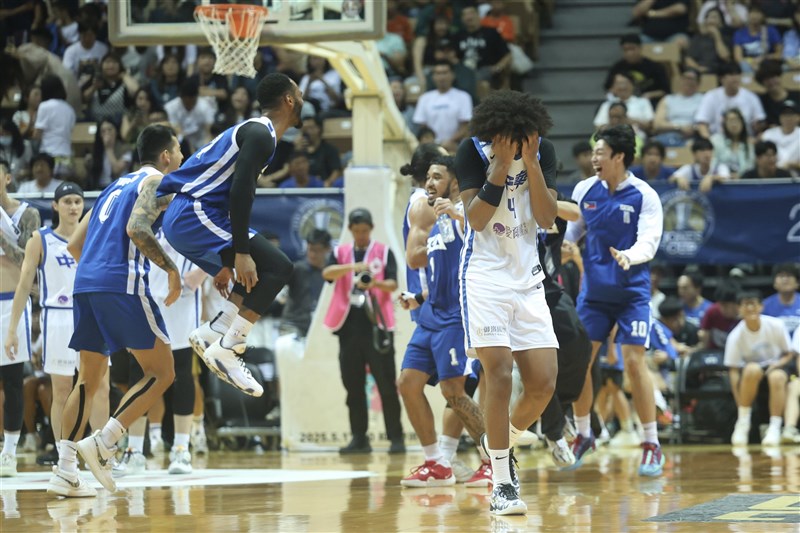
[
  {"x": 430, "y": 474},
  {"x": 482, "y": 476},
  {"x": 652, "y": 460}
]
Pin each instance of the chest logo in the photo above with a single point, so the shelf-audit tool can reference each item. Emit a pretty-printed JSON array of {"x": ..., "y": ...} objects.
[
  {"x": 590, "y": 205},
  {"x": 65, "y": 260},
  {"x": 626, "y": 212}
]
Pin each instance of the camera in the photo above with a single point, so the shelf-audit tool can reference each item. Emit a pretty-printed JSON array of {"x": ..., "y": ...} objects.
[{"x": 364, "y": 277}]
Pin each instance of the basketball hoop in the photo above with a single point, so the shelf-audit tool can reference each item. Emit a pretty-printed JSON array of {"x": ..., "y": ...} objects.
[{"x": 234, "y": 31}]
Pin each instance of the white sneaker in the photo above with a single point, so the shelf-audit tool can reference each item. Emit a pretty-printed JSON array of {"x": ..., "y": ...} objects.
[
  {"x": 625, "y": 439},
  {"x": 199, "y": 443},
  {"x": 203, "y": 337},
  {"x": 562, "y": 455},
  {"x": 226, "y": 363},
  {"x": 133, "y": 462},
  {"x": 8, "y": 465},
  {"x": 741, "y": 433},
  {"x": 527, "y": 438},
  {"x": 180, "y": 461},
  {"x": 461, "y": 471},
  {"x": 98, "y": 458},
  {"x": 63, "y": 483},
  {"x": 604, "y": 437},
  {"x": 790, "y": 435},
  {"x": 29, "y": 443},
  {"x": 156, "y": 446},
  {"x": 569, "y": 432},
  {"x": 772, "y": 437}
]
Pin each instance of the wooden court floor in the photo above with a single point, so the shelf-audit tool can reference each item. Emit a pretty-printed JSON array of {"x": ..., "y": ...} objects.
[{"x": 703, "y": 489}]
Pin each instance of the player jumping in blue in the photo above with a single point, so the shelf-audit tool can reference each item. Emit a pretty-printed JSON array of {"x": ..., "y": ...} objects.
[
  {"x": 208, "y": 223},
  {"x": 622, "y": 220}
]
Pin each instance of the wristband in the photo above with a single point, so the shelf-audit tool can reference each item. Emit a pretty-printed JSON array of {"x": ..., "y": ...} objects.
[
  {"x": 418, "y": 297},
  {"x": 491, "y": 194}
]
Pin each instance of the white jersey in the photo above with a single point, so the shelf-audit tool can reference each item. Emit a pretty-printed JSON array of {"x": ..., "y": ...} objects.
[
  {"x": 183, "y": 316},
  {"x": 505, "y": 253},
  {"x": 9, "y": 225},
  {"x": 56, "y": 271}
]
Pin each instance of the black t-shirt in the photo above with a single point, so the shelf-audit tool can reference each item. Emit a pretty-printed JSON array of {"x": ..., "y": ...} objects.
[
  {"x": 772, "y": 108},
  {"x": 324, "y": 160},
  {"x": 471, "y": 169},
  {"x": 649, "y": 75},
  {"x": 688, "y": 335},
  {"x": 752, "y": 174},
  {"x": 482, "y": 48},
  {"x": 663, "y": 28},
  {"x": 216, "y": 81}
]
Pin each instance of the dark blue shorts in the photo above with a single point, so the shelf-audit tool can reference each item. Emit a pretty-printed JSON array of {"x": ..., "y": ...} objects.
[
  {"x": 440, "y": 354},
  {"x": 106, "y": 322},
  {"x": 633, "y": 319}
]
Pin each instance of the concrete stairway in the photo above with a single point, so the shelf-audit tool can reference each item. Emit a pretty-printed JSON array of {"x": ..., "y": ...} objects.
[{"x": 574, "y": 57}]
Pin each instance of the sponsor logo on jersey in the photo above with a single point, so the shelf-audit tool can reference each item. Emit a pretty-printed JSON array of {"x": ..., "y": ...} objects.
[
  {"x": 62, "y": 299},
  {"x": 688, "y": 223},
  {"x": 509, "y": 232},
  {"x": 590, "y": 206},
  {"x": 491, "y": 331},
  {"x": 436, "y": 243},
  {"x": 512, "y": 182}
]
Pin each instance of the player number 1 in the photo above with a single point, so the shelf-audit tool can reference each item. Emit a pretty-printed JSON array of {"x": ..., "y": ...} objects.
[
  {"x": 638, "y": 328},
  {"x": 453, "y": 357}
]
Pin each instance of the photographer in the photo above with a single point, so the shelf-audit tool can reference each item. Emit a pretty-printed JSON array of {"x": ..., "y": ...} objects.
[{"x": 361, "y": 313}]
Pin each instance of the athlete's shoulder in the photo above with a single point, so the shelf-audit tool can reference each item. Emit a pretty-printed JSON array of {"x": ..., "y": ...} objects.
[
  {"x": 649, "y": 195},
  {"x": 416, "y": 194},
  {"x": 583, "y": 187}
]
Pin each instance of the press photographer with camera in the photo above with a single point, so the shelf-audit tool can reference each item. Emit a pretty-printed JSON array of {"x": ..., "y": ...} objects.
[{"x": 361, "y": 314}]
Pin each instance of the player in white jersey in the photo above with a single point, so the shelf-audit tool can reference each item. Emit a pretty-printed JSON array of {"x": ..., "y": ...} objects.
[
  {"x": 18, "y": 221},
  {"x": 507, "y": 177}
]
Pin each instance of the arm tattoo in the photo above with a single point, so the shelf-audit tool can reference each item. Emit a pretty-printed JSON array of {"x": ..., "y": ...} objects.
[
  {"x": 140, "y": 225},
  {"x": 28, "y": 223}
]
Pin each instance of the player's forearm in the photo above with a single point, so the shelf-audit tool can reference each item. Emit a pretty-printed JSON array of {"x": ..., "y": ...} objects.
[
  {"x": 386, "y": 285},
  {"x": 21, "y": 295},
  {"x": 417, "y": 256},
  {"x": 334, "y": 272},
  {"x": 145, "y": 240},
  {"x": 477, "y": 210},
  {"x": 543, "y": 202}
]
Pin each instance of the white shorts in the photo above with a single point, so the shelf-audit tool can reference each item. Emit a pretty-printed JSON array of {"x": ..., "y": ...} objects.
[
  {"x": 181, "y": 318},
  {"x": 496, "y": 316},
  {"x": 57, "y": 328},
  {"x": 23, "y": 330}
]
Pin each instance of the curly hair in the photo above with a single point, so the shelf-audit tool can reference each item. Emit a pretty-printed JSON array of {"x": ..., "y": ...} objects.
[
  {"x": 421, "y": 161},
  {"x": 510, "y": 114}
]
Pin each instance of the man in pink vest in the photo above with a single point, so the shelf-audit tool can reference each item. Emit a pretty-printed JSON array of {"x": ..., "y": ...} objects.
[{"x": 361, "y": 313}]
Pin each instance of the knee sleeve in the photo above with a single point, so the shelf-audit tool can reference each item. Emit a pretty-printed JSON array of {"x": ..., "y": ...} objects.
[
  {"x": 12, "y": 388},
  {"x": 183, "y": 388},
  {"x": 274, "y": 270}
]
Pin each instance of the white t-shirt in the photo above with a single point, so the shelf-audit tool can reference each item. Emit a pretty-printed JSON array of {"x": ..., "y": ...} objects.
[
  {"x": 70, "y": 32},
  {"x": 692, "y": 172},
  {"x": 443, "y": 112},
  {"x": 788, "y": 145},
  {"x": 76, "y": 53},
  {"x": 55, "y": 118},
  {"x": 763, "y": 347},
  {"x": 192, "y": 123},
  {"x": 639, "y": 109},
  {"x": 318, "y": 91},
  {"x": 796, "y": 341},
  {"x": 715, "y": 102},
  {"x": 32, "y": 186}
]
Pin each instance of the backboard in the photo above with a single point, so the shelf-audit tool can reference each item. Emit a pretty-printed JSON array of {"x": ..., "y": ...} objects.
[{"x": 171, "y": 22}]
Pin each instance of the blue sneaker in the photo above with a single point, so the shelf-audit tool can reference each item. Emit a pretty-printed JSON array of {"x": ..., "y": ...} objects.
[
  {"x": 581, "y": 446},
  {"x": 652, "y": 460}
]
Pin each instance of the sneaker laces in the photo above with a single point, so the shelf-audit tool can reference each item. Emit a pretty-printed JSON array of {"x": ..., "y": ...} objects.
[{"x": 243, "y": 367}]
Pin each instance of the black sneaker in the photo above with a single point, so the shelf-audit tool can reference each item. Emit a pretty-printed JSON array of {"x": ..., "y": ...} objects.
[
  {"x": 397, "y": 447},
  {"x": 48, "y": 458},
  {"x": 506, "y": 501},
  {"x": 356, "y": 446}
]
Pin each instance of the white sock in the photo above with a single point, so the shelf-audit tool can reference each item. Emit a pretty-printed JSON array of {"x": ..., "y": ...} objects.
[
  {"x": 10, "y": 443},
  {"x": 449, "y": 446},
  {"x": 111, "y": 432},
  {"x": 237, "y": 333},
  {"x": 136, "y": 442},
  {"x": 433, "y": 453},
  {"x": 513, "y": 434},
  {"x": 181, "y": 439},
  {"x": 627, "y": 425},
  {"x": 584, "y": 425},
  {"x": 155, "y": 432},
  {"x": 776, "y": 421},
  {"x": 68, "y": 456},
  {"x": 223, "y": 320},
  {"x": 501, "y": 470},
  {"x": 744, "y": 414},
  {"x": 650, "y": 432},
  {"x": 58, "y": 447}
]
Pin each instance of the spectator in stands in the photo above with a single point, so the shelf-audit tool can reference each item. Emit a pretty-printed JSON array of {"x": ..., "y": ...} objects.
[
  {"x": 791, "y": 42},
  {"x": 756, "y": 41},
  {"x": 394, "y": 53},
  {"x": 111, "y": 91},
  {"x": 766, "y": 163},
  {"x": 425, "y": 46},
  {"x": 239, "y": 110},
  {"x": 758, "y": 348},
  {"x": 708, "y": 48},
  {"x": 84, "y": 56},
  {"x": 674, "y": 119},
  {"x": 652, "y": 167},
  {"x": 110, "y": 157},
  {"x": 323, "y": 157},
  {"x": 690, "y": 291},
  {"x": 299, "y": 176},
  {"x": 715, "y": 102},
  {"x": 721, "y": 317},
  {"x": 582, "y": 154},
  {"x": 213, "y": 87},
  {"x": 65, "y": 19},
  {"x": 306, "y": 284},
  {"x": 650, "y": 78},
  {"x": 787, "y": 136},
  {"x": 498, "y": 19},
  {"x": 450, "y": 10},
  {"x": 445, "y": 109},
  {"x": 701, "y": 171},
  {"x": 657, "y": 271},
  {"x": 398, "y": 23},
  {"x": 25, "y": 116},
  {"x": 732, "y": 146},
  {"x": 54, "y": 122},
  {"x": 465, "y": 79},
  {"x": 785, "y": 303},
  {"x": 664, "y": 21},
  {"x": 673, "y": 317},
  {"x": 192, "y": 114},
  {"x": 731, "y": 12},
  {"x": 426, "y": 135},
  {"x": 773, "y": 99},
  {"x": 14, "y": 151},
  {"x": 778, "y": 12},
  {"x": 322, "y": 85},
  {"x": 42, "y": 167},
  {"x": 168, "y": 80},
  {"x": 406, "y": 109},
  {"x": 137, "y": 117},
  {"x": 639, "y": 110},
  {"x": 483, "y": 49},
  {"x": 618, "y": 114}
]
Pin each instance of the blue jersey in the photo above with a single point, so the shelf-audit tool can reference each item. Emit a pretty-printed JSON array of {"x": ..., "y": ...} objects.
[
  {"x": 442, "y": 307},
  {"x": 207, "y": 175},
  {"x": 695, "y": 314},
  {"x": 629, "y": 220},
  {"x": 790, "y": 314},
  {"x": 110, "y": 262},
  {"x": 414, "y": 276}
]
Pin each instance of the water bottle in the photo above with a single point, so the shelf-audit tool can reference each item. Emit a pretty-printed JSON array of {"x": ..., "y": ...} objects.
[{"x": 445, "y": 228}]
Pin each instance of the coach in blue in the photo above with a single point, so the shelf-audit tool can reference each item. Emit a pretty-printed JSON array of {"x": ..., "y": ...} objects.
[{"x": 622, "y": 220}]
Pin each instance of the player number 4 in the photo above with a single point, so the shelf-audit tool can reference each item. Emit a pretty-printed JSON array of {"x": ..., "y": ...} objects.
[{"x": 638, "y": 328}]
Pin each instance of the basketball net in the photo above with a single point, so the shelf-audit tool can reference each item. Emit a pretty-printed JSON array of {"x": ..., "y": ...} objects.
[{"x": 234, "y": 31}]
